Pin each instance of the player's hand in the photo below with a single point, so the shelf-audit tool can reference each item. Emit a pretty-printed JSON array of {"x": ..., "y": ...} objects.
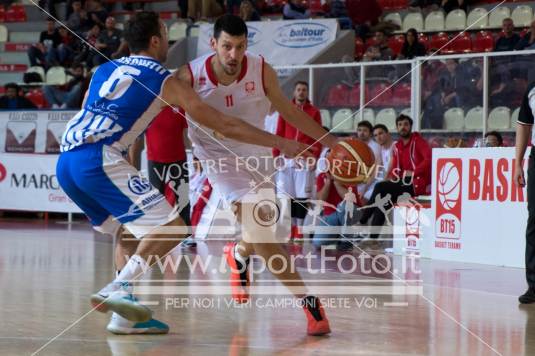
[
  {"x": 519, "y": 176},
  {"x": 293, "y": 149}
]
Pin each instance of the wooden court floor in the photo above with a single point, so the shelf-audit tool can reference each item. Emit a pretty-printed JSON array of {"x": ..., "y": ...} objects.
[{"x": 48, "y": 271}]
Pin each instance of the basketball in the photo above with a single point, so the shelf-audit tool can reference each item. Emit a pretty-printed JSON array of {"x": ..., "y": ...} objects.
[{"x": 351, "y": 162}]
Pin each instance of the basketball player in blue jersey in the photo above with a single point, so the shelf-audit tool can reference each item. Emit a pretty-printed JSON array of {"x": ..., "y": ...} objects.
[
  {"x": 123, "y": 97},
  {"x": 240, "y": 83}
]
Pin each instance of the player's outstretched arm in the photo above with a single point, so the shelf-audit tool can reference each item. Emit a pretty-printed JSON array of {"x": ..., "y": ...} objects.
[
  {"x": 178, "y": 92},
  {"x": 291, "y": 113}
]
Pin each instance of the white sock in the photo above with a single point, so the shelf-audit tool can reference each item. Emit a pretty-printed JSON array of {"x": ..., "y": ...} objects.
[{"x": 134, "y": 268}]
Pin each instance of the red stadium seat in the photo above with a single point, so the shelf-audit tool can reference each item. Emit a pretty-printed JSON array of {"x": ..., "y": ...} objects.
[
  {"x": 338, "y": 96},
  {"x": 523, "y": 32},
  {"x": 401, "y": 94},
  {"x": 396, "y": 44},
  {"x": 354, "y": 95},
  {"x": 423, "y": 39},
  {"x": 2, "y": 14},
  {"x": 16, "y": 13},
  {"x": 370, "y": 42},
  {"x": 315, "y": 6},
  {"x": 36, "y": 96},
  {"x": 359, "y": 48},
  {"x": 393, "y": 4},
  {"x": 483, "y": 42},
  {"x": 20, "y": 13},
  {"x": 459, "y": 44},
  {"x": 438, "y": 42},
  {"x": 379, "y": 95}
]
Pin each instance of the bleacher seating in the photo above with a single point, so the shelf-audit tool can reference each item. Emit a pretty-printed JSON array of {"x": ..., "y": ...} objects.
[
  {"x": 473, "y": 118},
  {"x": 387, "y": 117},
  {"x": 435, "y": 21},
  {"x": 37, "y": 69},
  {"x": 369, "y": 115},
  {"x": 396, "y": 43},
  {"x": 177, "y": 31},
  {"x": 456, "y": 20},
  {"x": 496, "y": 17},
  {"x": 454, "y": 119},
  {"x": 342, "y": 121},
  {"x": 401, "y": 94},
  {"x": 3, "y": 33},
  {"x": 337, "y": 96},
  {"x": 499, "y": 118},
  {"x": 56, "y": 76},
  {"x": 514, "y": 117},
  {"x": 413, "y": 20},
  {"x": 483, "y": 42},
  {"x": 325, "y": 118},
  {"x": 477, "y": 19},
  {"x": 522, "y": 16}
]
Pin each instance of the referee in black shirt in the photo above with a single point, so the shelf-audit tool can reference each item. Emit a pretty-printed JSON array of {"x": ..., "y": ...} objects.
[{"x": 524, "y": 133}]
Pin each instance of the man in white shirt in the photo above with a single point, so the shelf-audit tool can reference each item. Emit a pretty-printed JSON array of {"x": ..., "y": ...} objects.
[
  {"x": 364, "y": 133},
  {"x": 384, "y": 139}
]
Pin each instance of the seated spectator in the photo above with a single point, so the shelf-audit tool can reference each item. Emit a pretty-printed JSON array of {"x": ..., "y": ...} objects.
[
  {"x": 69, "y": 95},
  {"x": 96, "y": 13},
  {"x": 108, "y": 42},
  {"x": 364, "y": 14},
  {"x": 509, "y": 40},
  {"x": 204, "y": 9},
  {"x": 384, "y": 139},
  {"x": 12, "y": 100},
  {"x": 68, "y": 46},
  {"x": 232, "y": 6},
  {"x": 78, "y": 20},
  {"x": 410, "y": 173},
  {"x": 248, "y": 12},
  {"x": 331, "y": 203},
  {"x": 364, "y": 133},
  {"x": 87, "y": 52},
  {"x": 493, "y": 139},
  {"x": 411, "y": 47},
  {"x": 528, "y": 41},
  {"x": 43, "y": 53},
  {"x": 293, "y": 10},
  {"x": 450, "y": 5},
  {"x": 379, "y": 51},
  {"x": 337, "y": 9}
]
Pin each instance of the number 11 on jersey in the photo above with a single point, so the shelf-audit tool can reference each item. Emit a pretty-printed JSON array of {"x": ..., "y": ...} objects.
[{"x": 229, "y": 101}]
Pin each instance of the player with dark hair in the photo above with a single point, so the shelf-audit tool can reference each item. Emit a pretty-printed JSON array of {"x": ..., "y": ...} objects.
[
  {"x": 238, "y": 82},
  {"x": 123, "y": 98}
]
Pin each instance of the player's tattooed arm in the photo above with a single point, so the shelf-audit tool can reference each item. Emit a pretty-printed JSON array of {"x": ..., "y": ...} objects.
[
  {"x": 291, "y": 113},
  {"x": 177, "y": 91}
]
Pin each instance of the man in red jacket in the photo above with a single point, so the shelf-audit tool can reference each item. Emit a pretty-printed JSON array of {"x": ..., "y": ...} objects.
[
  {"x": 410, "y": 172},
  {"x": 297, "y": 178}
]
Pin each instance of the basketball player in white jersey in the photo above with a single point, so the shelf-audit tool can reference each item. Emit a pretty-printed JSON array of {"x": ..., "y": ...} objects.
[
  {"x": 123, "y": 98},
  {"x": 242, "y": 84}
]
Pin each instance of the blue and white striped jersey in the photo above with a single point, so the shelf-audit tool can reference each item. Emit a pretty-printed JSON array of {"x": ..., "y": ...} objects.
[{"x": 121, "y": 103}]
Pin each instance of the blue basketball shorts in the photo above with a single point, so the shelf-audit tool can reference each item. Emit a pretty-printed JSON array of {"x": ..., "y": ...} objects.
[{"x": 111, "y": 192}]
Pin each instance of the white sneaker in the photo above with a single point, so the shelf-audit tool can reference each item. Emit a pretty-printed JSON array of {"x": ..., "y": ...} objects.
[
  {"x": 117, "y": 297},
  {"x": 122, "y": 326}
]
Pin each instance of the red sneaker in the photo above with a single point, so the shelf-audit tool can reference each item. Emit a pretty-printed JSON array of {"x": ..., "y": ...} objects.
[
  {"x": 317, "y": 320},
  {"x": 239, "y": 282}
]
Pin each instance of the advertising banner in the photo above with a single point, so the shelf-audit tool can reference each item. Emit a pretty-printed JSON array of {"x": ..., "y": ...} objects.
[{"x": 281, "y": 42}]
